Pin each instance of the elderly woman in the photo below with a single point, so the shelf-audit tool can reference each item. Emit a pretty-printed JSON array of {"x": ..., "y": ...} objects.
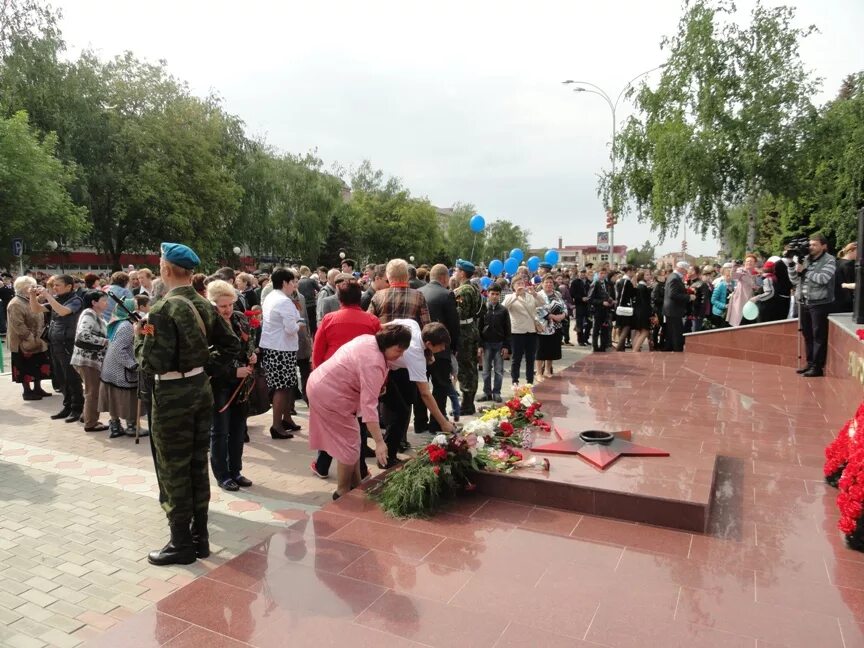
[
  {"x": 245, "y": 283},
  {"x": 91, "y": 341},
  {"x": 118, "y": 288},
  {"x": 550, "y": 315},
  {"x": 30, "y": 362},
  {"x": 281, "y": 322},
  {"x": 522, "y": 305},
  {"x": 745, "y": 285},
  {"x": 118, "y": 394},
  {"x": 346, "y": 387},
  {"x": 229, "y": 407}
]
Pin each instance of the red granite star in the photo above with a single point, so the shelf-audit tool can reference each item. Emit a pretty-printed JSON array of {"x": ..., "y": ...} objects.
[{"x": 600, "y": 455}]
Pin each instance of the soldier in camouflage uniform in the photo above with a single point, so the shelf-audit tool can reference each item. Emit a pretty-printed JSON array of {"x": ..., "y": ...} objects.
[
  {"x": 468, "y": 304},
  {"x": 182, "y": 339}
]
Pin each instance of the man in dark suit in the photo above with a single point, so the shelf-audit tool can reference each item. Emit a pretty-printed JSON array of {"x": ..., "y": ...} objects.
[
  {"x": 377, "y": 282},
  {"x": 308, "y": 287},
  {"x": 579, "y": 287},
  {"x": 442, "y": 308},
  {"x": 675, "y": 301}
]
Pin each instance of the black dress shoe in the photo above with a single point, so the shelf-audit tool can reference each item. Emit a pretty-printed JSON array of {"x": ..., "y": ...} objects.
[
  {"x": 276, "y": 434},
  {"x": 242, "y": 482},
  {"x": 62, "y": 414},
  {"x": 804, "y": 370},
  {"x": 32, "y": 396},
  {"x": 43, "y": 393},
  {"x": 74, "y": 417},
  {"x": 813, "y": 372},
  {"x": 229, "y": 485}
]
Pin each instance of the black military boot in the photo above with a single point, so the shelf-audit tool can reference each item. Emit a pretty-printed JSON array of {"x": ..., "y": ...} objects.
[
  {"x": 466, "y": 407},
  {"x": 200, "y": 535},
  {"x": 179, "y": 551}
]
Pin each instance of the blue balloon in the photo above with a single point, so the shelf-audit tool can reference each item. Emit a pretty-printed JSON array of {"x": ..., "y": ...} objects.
[
  {"x": 517, "y": 254},
  {"x": 533, "y": 263},
  {"x": 552, "y": 257},
  {"x": 478, "y": 223},
  {"x": 485, "y": 282},
  {"x": 511, "y": 265},
  {"x": 496, "y": 267}
]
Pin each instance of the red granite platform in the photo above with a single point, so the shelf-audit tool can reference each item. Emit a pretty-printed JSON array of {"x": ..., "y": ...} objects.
[
  {"x": 771, "y": 571},
  {"x": 673, "y": 491}
]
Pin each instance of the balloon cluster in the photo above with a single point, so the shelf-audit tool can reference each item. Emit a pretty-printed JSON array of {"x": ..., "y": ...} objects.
[{"x": 511, "y": 265}]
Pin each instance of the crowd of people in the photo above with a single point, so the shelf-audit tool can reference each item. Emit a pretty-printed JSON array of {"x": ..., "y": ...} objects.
[{"x": 363, "y": 348}]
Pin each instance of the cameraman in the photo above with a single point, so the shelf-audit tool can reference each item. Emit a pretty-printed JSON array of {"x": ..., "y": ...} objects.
[{"x": 815, "y": 295}]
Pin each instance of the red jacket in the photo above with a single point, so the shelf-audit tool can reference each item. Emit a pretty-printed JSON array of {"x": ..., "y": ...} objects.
[{"x": 340, "y": 327}]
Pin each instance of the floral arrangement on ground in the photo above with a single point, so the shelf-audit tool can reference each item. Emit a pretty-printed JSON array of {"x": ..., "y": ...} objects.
[
  {"x": 493, "y": 443},
  {"x": 838, "y": 451},
  {"x": 844, "y": 467}
]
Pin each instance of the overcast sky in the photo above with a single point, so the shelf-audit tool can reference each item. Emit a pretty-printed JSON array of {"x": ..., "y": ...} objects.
[{"x": 462, "y": 100}]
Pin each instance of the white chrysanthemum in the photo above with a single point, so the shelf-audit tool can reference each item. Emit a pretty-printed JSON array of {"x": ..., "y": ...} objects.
[
  {"x": 480, "y": 428},
  {"x": 440, "y": 440},
  {"x": 481, "y": 442}
]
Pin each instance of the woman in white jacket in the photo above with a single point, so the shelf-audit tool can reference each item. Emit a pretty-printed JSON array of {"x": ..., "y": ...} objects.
[{"x": 522, "y": 305}]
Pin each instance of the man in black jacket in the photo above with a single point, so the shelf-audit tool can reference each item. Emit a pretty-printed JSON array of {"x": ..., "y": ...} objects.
[
  {"x": 378, "y": 282},
  {"x": 599, "y": 296},
  {"x": 308, "y": 287},
  {"x": 579, "y": 287},
  {"x": 495, "y": 336},
  {"x": 675, "y": 301},
  {"x": 442, "y": 308}
]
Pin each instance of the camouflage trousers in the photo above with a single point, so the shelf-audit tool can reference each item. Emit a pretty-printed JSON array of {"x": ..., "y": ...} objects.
[
  {"x": 467, "y": 360},
  {"x": 182, "y": 416}
]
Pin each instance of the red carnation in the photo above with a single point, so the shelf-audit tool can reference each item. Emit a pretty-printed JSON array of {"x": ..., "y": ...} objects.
[
  {"x": 517, "y": 454},
  {"x": 506, "y": 428},
  {"x": 436, "y": 453},
  {"x": 860, "y": 334}
]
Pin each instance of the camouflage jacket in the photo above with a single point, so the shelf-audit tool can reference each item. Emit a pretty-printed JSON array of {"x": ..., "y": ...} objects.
[
  {"x": 172, "y": 339},
  {"x": 468, "y": 304}
]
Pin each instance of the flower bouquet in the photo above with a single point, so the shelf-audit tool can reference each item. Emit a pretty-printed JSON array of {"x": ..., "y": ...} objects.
[
  {"x": 838, "y": 451},
  {"x": 443, "y": 468}
]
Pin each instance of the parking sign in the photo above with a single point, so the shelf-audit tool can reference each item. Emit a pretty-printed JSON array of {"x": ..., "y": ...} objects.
[{"x": 17, "y": 247}]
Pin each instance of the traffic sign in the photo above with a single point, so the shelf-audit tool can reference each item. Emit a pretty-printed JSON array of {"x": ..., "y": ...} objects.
[{"x": 17, "y": 247}]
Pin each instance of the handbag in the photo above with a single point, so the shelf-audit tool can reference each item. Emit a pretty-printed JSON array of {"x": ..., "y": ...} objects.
[
  {"x": 624, "y": 311},
  {"x": 259, "y": 395}
]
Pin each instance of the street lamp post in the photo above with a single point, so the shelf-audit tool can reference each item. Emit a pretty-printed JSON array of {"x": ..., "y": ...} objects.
[{"x": 613, "y": 106}]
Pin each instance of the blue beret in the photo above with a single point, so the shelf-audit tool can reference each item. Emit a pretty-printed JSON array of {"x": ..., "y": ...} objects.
[
  {"x": 180, "y": 255},
  {"x": 546, "y": 266},
  {"x": 467, "y": 266}
]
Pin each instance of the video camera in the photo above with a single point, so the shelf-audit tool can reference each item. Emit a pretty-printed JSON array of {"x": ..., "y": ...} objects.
[{"x": 799, "y": 247}]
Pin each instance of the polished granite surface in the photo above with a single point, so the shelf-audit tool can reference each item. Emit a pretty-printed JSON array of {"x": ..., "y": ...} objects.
[{"x": 771, "y": 571}]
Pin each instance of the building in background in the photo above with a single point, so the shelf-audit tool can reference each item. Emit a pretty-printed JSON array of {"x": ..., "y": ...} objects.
[{"x": 579, "y": 255}]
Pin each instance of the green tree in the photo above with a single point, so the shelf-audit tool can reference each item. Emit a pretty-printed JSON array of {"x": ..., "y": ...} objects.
[
  {"x": 722, "y": 126},
  {"x": 642, "y": 257},
  {"x": 34, "y": 197},
  {"x": 460, "y": 241},
  {"x": 501, "y": 237}
]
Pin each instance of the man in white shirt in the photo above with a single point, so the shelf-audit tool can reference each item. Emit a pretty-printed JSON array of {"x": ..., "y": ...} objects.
[{"x": 407, "y": 379}]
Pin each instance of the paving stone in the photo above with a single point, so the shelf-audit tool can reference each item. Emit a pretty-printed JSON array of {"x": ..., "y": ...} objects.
[
  {"x": 66, "y": 608},
  {"x": 23, "y": 641},
  {"x": 8, "y": 615},
  {"x": 32, "y": 611},
  {"x": 73, "y": 568},
  {"x": 42, "y": 583},
  {"x": 38, "y": 597},
  {"x": 63, "y": 623},
  {"x": 59, "y": 639}
]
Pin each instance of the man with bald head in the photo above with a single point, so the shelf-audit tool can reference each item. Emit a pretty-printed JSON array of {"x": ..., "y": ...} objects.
[{"x": 442, "y": 308}]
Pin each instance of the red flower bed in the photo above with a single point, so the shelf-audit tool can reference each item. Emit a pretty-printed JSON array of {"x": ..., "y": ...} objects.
[{"x": 845, "y": 464}]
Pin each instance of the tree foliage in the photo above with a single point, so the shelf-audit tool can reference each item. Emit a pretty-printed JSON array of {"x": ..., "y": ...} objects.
[
  {"x": 642, "y": 257},
  {"x": 144, "y": 160},
  {"x": 34, "y": 196},
  {"x": 723, "y": 125}
]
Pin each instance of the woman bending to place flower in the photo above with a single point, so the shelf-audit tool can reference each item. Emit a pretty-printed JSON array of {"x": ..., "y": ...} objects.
[{"x": 347, "y": 386}]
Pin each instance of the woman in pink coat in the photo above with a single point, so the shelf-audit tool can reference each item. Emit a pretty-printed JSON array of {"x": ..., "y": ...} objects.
[
  {"x": 745, "y": 283},
  {"x": 347, "y": 386}
]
